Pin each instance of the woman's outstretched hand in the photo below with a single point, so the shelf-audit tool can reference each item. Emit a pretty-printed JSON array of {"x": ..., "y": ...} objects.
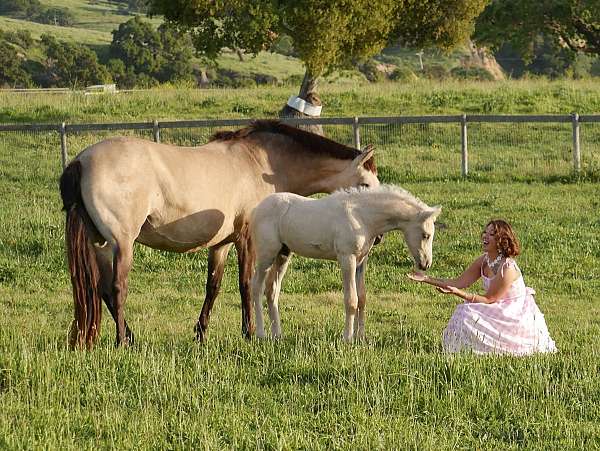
[
  {"x": 447, "y": 289},
  {"x": 417, "y": 276}
]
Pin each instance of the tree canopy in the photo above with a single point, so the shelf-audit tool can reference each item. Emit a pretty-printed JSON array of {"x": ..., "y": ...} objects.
[
  {"x": 326, "y": 34},
  {"x": 148, "y": 55},
  {"x": 572, "y": 24},
  {"x": 71, "y": 65},
  {"x": 11, "y": 66}
]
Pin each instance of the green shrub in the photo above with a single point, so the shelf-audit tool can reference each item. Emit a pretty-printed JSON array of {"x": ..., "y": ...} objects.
[
  {"x": 471, "y": 73},
  {"x": 55, "y": 16},
  {"x": 436, "y": 72},
  {"x": 403, "y": 74},
  {"x": 369, "y": 69}
]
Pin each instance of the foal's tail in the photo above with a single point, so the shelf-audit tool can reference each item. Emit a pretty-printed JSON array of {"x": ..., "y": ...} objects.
[{"x": 83, "y": 266}]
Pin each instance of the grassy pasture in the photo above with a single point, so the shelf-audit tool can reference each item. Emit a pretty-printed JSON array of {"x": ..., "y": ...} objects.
[{"x": 310, "y": 390}]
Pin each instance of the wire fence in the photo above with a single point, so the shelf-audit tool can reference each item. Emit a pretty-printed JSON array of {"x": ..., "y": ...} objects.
[
  {"x": 408, "y": 148},
  {"x": 498, "y": 149}
]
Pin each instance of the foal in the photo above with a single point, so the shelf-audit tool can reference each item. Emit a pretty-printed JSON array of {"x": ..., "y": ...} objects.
[{"x": 342, "y": 227}]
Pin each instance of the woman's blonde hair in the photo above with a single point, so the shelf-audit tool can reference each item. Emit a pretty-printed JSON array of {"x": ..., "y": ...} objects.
[{"x": 506, "y": 240}]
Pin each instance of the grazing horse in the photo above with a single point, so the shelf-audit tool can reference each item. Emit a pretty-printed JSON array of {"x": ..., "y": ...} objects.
[
  {"x": 342, "y": 227},
  {"x": 181, "y": 199}
]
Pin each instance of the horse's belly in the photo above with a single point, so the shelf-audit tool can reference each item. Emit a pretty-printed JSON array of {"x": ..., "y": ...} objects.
[
  {"x": 313, "y": 250},
  {"x": 184, "y": 235}
]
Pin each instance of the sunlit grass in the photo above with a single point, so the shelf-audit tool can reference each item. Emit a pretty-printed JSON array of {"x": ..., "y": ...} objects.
[{"x": 396, "y": 390}]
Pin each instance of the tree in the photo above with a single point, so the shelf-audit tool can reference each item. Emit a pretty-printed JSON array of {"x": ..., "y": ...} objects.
[
  {"x": 571, "y": 24},
  {"x": 138, "y": 45},
  {"x": 55, "y": 16},
  {"x": 71, "y": 65},
  {"x": 12, "y": 72},
  {"x": 150, "y": 55},
  {"x": 326, "y": 34},
  {"x": 20, "y": 8},
  {"x": 176, "y": 55}
]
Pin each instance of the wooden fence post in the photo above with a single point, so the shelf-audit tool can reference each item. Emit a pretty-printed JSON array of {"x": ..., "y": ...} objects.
[
  {"x": 576, "y": 149},
  {"x": 356, "y": 129},
  {"x": 156, "y": 131},
  {"x": 464, "y": 162},
  {"x": 63, "y": 145}
]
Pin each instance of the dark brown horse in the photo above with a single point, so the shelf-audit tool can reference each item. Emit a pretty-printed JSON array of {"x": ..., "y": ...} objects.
[{"x": 181, "y": 199}]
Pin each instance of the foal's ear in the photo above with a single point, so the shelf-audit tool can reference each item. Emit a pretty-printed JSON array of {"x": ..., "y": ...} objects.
[
  {"x": 434, "y": 212},
  {"x": 364, "y": 156}
]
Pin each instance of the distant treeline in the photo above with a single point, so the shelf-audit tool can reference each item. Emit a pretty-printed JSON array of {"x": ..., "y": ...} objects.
[{"x": 142, "y": 56}]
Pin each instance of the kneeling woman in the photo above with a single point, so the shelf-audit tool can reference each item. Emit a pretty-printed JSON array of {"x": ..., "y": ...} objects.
[{"x": 504, "y": 320}]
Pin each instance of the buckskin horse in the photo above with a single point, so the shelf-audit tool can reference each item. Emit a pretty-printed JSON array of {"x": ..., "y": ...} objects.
[{"x": 181, "y": 199}]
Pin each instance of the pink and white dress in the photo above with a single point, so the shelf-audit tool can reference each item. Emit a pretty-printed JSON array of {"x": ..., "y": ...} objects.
[{"x": 511, "y": 325}]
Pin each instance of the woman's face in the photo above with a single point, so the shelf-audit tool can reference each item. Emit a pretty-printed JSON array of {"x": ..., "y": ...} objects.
[{"x": 488, "y": 240}]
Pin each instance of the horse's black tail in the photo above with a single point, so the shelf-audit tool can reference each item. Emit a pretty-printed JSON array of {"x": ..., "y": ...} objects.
[{"x": 83, "y": 266}]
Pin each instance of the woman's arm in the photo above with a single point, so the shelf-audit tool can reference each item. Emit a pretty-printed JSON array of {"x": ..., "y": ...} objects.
[
  {"x": 466, "y": 279},
  {"x": 497, "y": 289}
]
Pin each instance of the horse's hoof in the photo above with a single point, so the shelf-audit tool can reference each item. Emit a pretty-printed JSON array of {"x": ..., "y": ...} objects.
[
  {"x": 125, "y": 343},
  {"x": 130, "y": 338},
  {"x": 200, "y": 333}
]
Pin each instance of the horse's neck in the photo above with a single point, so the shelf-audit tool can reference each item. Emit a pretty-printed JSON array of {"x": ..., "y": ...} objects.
[
  {"x": 385, "y": 213},
  {"x": 303, "y": 173}
]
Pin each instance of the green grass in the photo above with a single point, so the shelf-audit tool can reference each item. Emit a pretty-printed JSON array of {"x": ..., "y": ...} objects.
[
  {"x": 98, "y": 15},
  {"x": 310, "y": 390},
  {"x": 339, "y": 99},
  {"x": 71, "y": 34}
]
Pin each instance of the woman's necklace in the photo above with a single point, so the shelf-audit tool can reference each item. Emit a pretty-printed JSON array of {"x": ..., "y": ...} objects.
[{"x": 493, "y": 265}]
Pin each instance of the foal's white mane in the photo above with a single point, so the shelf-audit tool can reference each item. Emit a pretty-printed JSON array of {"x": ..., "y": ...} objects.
[{"x": 350, "y": 194}]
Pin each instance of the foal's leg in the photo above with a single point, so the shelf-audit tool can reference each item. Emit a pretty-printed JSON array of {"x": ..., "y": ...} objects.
[
  {"x": 217, "y": 256},
  {"x": 273, "y": 288},
  {"x": 258, "y": 284},
  {"x": 105, "y": 265},
  {"x": 359, "y": 322},
  {"x": 348, "y": 264},
  {"x": 122, "y": 259}
]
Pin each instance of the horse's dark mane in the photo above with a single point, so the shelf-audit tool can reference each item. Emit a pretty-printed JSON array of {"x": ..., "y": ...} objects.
[{"x": 310, "y": 141}]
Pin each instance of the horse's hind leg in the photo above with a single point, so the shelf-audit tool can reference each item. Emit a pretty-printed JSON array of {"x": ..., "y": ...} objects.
[
  {"x": 217, "y": 256},
  {"x": 105, "y": 264},
  {"x": 348, "y": 264},
  {"x": 273, "y": 288},
  {"x": 359, "y": 321},
  {"x": 122, "y": 259},
  {"x": 245, "y": 253}
]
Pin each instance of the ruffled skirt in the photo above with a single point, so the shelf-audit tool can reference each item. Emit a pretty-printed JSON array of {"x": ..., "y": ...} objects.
[{"x": 508, "y": 326}]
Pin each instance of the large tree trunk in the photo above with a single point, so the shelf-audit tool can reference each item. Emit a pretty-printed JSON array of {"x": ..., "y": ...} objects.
[
  {"x": 308, "y": 92},
  {"x": 481, "y": 58}
]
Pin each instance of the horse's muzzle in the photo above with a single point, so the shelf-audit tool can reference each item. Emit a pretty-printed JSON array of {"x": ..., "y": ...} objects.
[{"x": 424, "y": 267}]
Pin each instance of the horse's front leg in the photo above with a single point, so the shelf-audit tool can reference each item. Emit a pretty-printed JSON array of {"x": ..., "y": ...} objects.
[
  {"x": 359, "y": 323},
  {"x": 245, "y": 252},
  {"x": 348, "y": 264},
  {"x": 217, "y": 256},
  {"x": 273, "y": 288}
]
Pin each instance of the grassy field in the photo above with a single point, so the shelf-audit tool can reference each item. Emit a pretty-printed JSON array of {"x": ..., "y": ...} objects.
[
  {"x": 311, "y": 390},
  {"x": 351, "y": 98}
]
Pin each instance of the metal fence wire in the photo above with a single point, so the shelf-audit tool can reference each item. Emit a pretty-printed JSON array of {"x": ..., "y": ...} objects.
[{"x": 408, "y": 148}]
